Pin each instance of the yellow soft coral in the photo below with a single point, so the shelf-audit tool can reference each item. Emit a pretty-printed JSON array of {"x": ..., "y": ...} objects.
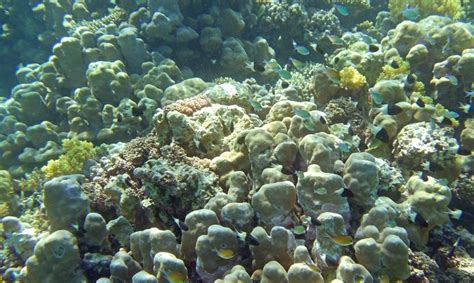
[
  {"x": 450, "y": 8},
  {"x": 351, "y": 79},
  {"x": 71, "y": 161}
]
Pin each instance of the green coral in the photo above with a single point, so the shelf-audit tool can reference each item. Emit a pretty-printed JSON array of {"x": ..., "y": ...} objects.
[
  {"x": 76, "y": 152},
  {"x": 450, "y": 8},
  {"x": 32, "y": 181}
]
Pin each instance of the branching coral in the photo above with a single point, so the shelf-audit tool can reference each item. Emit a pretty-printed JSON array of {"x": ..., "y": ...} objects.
[
  {"x": 397, "y": 67},
  {"x": 71, "y": 161},
  {"x": 450, "y": 8},
  {"x": 351, "y": 79}
]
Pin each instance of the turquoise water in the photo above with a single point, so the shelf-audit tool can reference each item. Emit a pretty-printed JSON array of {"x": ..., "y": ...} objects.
[{"x": 236, "y": 141}]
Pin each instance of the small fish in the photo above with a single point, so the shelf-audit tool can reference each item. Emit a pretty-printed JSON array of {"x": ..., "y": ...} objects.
[
  {"x": 453, "y": 80},
  {"x": 137, "y": 111},
  {"x": 394, "y": 64},
  {"x": 390, "y": 109},
  {"x": 411, "y": 78},
  {"x": 344, "y": 147},
  {"x": 302, "y": 113},
  {"x": 317, "y": 48},
  {"x": 308, "y": 124},
  {"x": 380, "y": 133},
  {"x": 374, "y": 48},
  {"x": 411, "y": 13},
  {"x": 443, "y": 182},
  {"x": 181, "y": 225},
  {"x": 419, "y": 220},
  {"x": 256, "y": 105},
  {"x": 299, "y": 230},
  {"x": 447, "y": 122},
  {"x": 453, "y": 248},
  {"x": 300, "y": 49},
  {"x": 341, "y": 9},
  {"x": 451, "y": 115},
  {"x": 273, "y": 65},
  {"x": 119, "y": 117},
  {"x": 300, "y": 175},
  {"x": 297, "y": 63},
  {"x": 175, "y": 277},
  {"x": 420, "y": 103},
  {"x": 251, "y": 240},
  {"x": 376, "y": 97},
  {"x": 469, "y": 94},
  {"x": 321, "y": 191},
  {"x": 336, "y": 40},
  {"x": 323, "y": 120},
  {"x": 342, "y": 240},
  {"x": 455, "y": 214},
  {"x": 465, "y": 107},
  {"x": 284, "y": 74},
  {"x": 225, "y": 253},
  {"x": 284, "y": 84},
  {"x": 447, "y": 47},
  {"x": 333, "y": 75},
  {"x": 391, "y": 223}
]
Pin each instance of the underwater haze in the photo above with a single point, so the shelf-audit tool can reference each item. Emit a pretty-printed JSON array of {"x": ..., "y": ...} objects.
[{"x": 183, "y": 141}]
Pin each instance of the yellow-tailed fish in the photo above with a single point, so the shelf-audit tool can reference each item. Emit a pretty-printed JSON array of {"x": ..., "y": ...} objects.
[
  {"x": 225, "y": 253},
  {"x": 342, "y": 240},
  {"x": 313, "y": 267},
  {"x": 176, "y": 277}
]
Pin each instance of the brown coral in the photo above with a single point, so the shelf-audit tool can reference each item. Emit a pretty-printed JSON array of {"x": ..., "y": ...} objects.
[{"x": 189, "y": 106}]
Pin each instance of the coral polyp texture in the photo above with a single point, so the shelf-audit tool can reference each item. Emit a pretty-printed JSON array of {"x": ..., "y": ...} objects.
[{"x": 236, "y": 141}]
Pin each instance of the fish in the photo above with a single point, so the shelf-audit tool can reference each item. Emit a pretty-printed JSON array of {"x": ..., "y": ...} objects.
[
  {"x": 323, "y": 120},
  {"x": 314, "y": 221},
  {"x": 411, "y": 13},
  {"x": 300, "y": 174},
  {"x": 390, "y": 109},
  {"x": 452, "y": 79},
  {"x": 419, "y": 220},
  {"x": 137, "y": 111},
  {"x": 411, "y": 78},
  {"x": 317, "y": 48},
  {"x": 341, "y": 9},
  {"x": 465, "y": 107},
  {"x": 284, "y": 74},
  {"x": 394, "y": 64},
  {"x": 181, "y": 225},
  {"x": 342, "y": 240},
  {"x": 447, "y": 47},
  {"x": 251, "y": 240},
  {"x": 420, "y": 103},
  {"x": 453, "y": 248},
  {"x": 344, "y": 147},
  {"x": 336, "y": 40},
  {"x": 391, "y": 223},
  {"x": 469, "y": 94},
  {"x": 299, "y": 230},
  {"x": 225, "y": 253},
  {"x": 119, "y": 117},
  {"x": 272, "y": 64},
  {"x": 455, "y": 214},
  {"x": 297, "y": 64},
  {"x": 302, "y": 113},
  {"x": 321, "y": 191},
  {"x": 256, "y": 105},
  {"x": 374, "y": 48},
  {"x": 380, "y": 133},
  {"x": 313, "y": 266},
  {"x": 376, "y": 97},
  {"x": 309, "y": 125},
  {"x": 333, "y": 75},
  {"x": 175, "y": 277},
  {"x": 284, "y": 84},
  {"x": 300, "y": 49}
]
